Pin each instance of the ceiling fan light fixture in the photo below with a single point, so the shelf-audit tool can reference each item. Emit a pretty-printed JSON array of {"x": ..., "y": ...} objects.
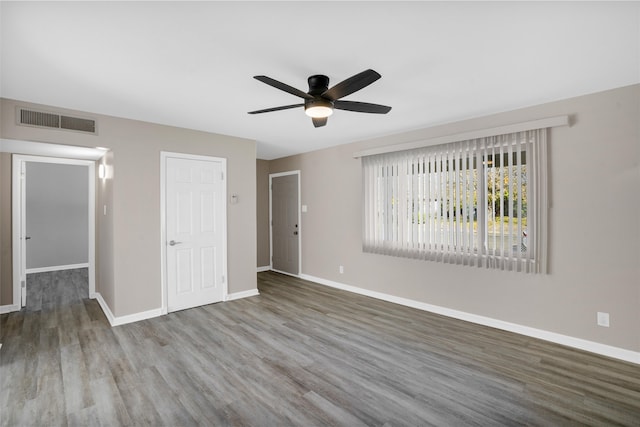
[
  {"x": 318, "y": 108},
  {"x": 318, "y": 112}
]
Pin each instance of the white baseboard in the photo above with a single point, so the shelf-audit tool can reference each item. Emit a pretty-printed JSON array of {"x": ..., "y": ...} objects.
[
  {"x": 105, "y": 308},
  {"x": 9, "y": 308},
  {"x": 243, "y": 294},
  {"x": 130, "y": 318},
  {"x": 265, "y": 268},
  {"x": 299, "y": 276},
  {"x": 579, "y": 343},
  {"x": 149, "y": 314},
  {"x": 56, "y": 268}
]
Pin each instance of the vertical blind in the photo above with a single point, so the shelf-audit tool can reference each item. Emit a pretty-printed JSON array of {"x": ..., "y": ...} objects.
[{"x": 480, "y": 202}]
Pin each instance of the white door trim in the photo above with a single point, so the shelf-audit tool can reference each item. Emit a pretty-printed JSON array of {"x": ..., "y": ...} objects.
[
  {"x": 300, "y": 225},
  {"x": 164, "y": 155},
  {"x": 18, "y": 218}
]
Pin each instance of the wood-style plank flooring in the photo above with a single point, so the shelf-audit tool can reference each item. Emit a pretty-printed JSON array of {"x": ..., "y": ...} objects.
[{"x": 299, "y": 354}]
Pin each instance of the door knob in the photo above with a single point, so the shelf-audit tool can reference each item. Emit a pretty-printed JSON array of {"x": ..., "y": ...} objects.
[
  {"x": 295, "y": 233},
  {"x": 173, "y": 243}
]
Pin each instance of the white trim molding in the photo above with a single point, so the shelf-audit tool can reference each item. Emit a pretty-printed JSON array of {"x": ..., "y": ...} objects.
[
  {"x": 130, "y": 318},
  {"x": 581, "y": 344},
  {"x": 10, "y": 308},
  {"x": 481, "y": 133},
  {"x": 264, "y": 268},
  {"x": 50, "y": 149},
  {"x": 243, "y": 294},
  {"x": 56, "y": 268}
]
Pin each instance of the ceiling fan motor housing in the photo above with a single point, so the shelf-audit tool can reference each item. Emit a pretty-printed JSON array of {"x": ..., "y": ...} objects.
[
  {"x": 318, "y": 84},
  {"x": 318, "y": 106}
]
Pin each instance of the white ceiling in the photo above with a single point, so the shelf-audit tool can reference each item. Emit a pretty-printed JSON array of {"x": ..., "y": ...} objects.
[{"x": 190, "y": 64}]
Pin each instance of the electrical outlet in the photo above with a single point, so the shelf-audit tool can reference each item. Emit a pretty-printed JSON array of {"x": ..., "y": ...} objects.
[
  {"x": 603, "y": 319},
  {"x": 341, "y": 269}
]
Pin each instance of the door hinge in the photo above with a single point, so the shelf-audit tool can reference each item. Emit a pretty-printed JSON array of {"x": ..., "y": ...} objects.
[
  {"x": 223, "y": 279},
  {"x": 222, "y": 176}
]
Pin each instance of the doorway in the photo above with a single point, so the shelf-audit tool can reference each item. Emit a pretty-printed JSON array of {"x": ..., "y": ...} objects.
[
  {"x": 286, "y": 227},
  {"x": 194, "y": 230},
  {"x": 51, "y": 252}
]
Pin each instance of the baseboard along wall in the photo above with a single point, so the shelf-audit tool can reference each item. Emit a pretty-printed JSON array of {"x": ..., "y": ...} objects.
[
  {"x": 243, "y": 294},
  {"x": 130, "y": 318},
  {"x": 9, "y": 308},
  {"x": 56, "y": 268},
  {"x": 156, "y": 312},
  {"x": 578, "y": 343},
  {"x": 593, "y": 347}
]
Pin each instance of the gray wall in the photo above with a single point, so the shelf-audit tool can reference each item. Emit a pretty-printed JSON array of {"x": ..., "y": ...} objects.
[
  {"x": 57, "y": 207},
  {"x": 105, "y": 247},
  {"x": 128, "y": 244},
  {"x": 594, "y": 232}
]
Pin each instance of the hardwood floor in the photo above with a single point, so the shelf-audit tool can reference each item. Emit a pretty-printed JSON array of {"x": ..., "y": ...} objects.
[
  {"x": 298, "y": 354},
  {"x": 56, "y": 289}
]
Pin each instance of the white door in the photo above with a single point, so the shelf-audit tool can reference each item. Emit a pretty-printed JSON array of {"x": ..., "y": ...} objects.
[
  {"x": 285, "y": 228},
  {"x": 195, "y": 235}
]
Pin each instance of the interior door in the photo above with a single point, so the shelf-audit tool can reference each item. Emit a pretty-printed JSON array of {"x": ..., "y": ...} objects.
[
  {"x": 285, "y": 228},
  {"x": 195, "y": 206}
]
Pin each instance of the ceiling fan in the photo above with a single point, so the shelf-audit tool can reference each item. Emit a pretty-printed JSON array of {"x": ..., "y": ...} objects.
[{"x": 320, "y": 101}]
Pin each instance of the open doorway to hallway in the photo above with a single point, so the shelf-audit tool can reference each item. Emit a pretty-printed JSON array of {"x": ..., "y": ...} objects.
[{"x": 53, "y": 207}]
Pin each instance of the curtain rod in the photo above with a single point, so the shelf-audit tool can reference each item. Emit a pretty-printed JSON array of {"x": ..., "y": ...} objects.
[{"x": 481, "y": 133}]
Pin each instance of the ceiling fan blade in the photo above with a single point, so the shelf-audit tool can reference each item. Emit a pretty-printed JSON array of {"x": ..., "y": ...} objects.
[
  {"x": 319, "y": 121},
  {"x": 352, "y": 84},
  {"x": 361, "y": 107},
  {"x": 282, "y": 86},
  {"x": 268, "y": 110}
]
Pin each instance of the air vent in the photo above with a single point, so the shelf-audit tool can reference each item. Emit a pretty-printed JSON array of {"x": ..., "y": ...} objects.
[
  {"x": 44, "y": 119},
  {"x": 38, "y": 118},
  {"x": 76, "y": 123}
]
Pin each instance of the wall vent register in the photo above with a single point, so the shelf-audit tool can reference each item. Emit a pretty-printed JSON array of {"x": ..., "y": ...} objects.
[{"x": 43, "y": 119}]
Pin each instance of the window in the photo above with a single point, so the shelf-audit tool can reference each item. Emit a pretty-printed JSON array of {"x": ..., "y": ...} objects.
[{"x": 479, "y": 202}]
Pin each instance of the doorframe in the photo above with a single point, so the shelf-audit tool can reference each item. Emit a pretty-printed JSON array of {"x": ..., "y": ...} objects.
[
  {"x": 18, "y": 218},
  {"x": 300, "y": 228},
  {"x": 164, "y": 155}
]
